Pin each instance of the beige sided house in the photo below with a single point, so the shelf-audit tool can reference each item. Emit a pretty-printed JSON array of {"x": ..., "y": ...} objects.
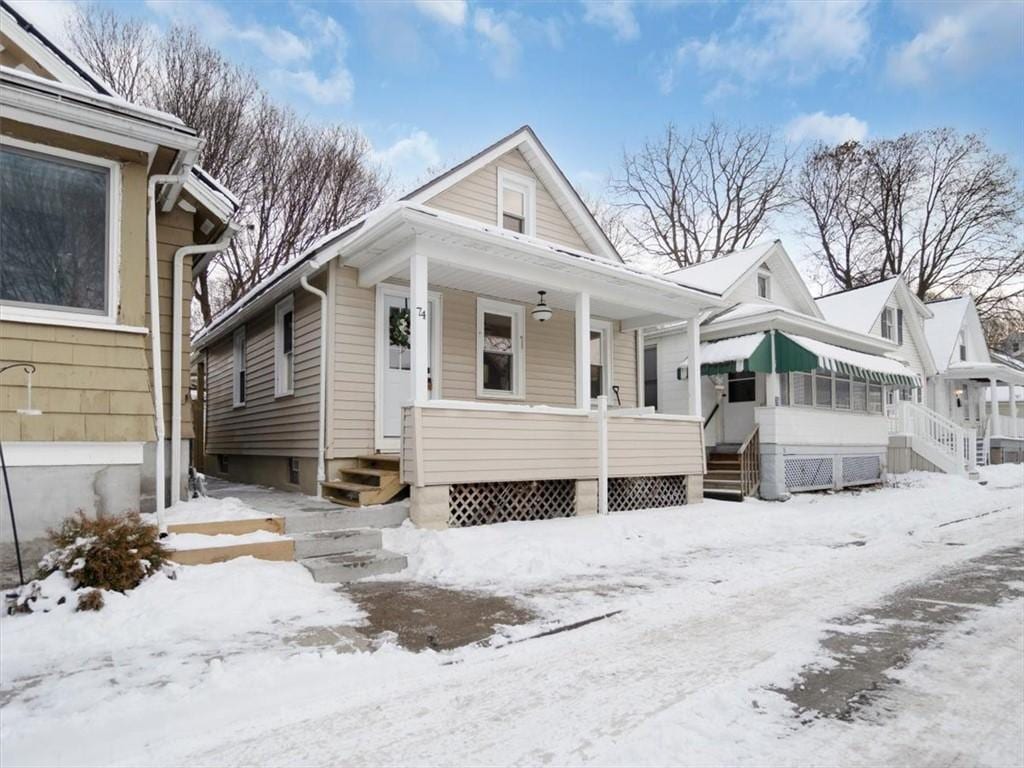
[
  {"x": 461, "y": 341},
  {"x": 79, "y": 240}
]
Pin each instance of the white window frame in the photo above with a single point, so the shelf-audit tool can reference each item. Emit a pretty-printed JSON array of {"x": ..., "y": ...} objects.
[
  {"x": 238, "y": 365},
  {"x": 888, "y": 323},
  {"x": 282, "y": 387},
  {"x": 606, "y": 328},
  {"x": 766, "y": 276},
  {"x": 516, "y": 181},
  {"x": 20, "y": 312},
  {"x": 518, "y": 315}
]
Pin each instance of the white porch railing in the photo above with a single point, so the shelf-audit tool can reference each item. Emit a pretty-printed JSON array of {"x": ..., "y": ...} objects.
[{"x": 945, "y": 444}]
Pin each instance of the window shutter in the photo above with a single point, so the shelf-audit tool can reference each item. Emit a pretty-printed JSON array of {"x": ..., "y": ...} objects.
[{"x": 899, "y": 326}]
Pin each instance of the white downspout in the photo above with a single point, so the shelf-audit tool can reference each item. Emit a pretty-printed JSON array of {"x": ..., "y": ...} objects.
[
  {"x": 154, "y": 337},
  {"x": 321, "y": 473},
  {"x": 178, "y": 321}
]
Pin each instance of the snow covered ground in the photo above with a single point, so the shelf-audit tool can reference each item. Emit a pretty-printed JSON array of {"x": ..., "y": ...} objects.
[{"x": 720, "y": 603}]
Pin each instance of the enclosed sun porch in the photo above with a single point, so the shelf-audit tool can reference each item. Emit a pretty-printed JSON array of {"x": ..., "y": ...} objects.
[{"x": 509, "y": 373}]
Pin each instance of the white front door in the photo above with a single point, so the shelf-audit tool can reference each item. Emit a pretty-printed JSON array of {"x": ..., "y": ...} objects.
[{"x": 394, "y": 361}]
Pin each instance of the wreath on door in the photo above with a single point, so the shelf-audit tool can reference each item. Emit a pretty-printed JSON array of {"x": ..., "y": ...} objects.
[{"x": 399, "y": 327}]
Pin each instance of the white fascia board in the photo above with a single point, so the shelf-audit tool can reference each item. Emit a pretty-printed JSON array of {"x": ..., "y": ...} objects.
[
  {"x": 71, "y": 454},
  {"x": 71, "y": 117},
  {"x": 46, "y": 58},
  {"x": 444, "y": 182},
  {"x": 779, "y": 320},
  {"x": 209, "y": 200}
]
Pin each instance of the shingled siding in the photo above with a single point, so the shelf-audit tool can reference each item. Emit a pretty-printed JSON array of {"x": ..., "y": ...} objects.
[{"x": 266, "y": 425}]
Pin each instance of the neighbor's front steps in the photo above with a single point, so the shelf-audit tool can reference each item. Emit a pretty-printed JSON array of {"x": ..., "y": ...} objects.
[{"x": 335, "y": 545}]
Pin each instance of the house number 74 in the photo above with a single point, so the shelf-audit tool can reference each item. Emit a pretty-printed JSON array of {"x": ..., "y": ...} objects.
[{"x": 421, "y": 313}]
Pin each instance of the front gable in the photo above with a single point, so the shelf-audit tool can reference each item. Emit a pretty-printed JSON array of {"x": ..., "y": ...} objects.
[
  {"x": 914, "y": 347},
  {"x": 472, "y": 189},
  {"x": 785, "y": 286}
]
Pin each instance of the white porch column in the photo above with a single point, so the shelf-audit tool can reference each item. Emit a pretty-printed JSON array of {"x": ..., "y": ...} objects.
[
  {"x": 771, "y": 390},
  {"x": 993, "y": 406},
  {"x": 419, "y": 327},
  {"x": 1014, "y": 427},
  {"x": 583, "y": 351},
  {"x": 693, "y": 373}
]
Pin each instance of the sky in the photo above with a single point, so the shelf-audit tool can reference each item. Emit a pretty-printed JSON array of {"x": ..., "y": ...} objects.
[{"x": 430, "y": 83}]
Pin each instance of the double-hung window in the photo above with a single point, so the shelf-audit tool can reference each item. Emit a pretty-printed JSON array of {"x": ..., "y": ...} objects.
[
  {"x": 59, "y": 234},
  {"x": 516, "y": 202},
  {"x": 600, "y": 358},
  {"x": 892, "y": 324},
  {"x": 764, "y": 285},
  {"x": 500, "y": 349},
  {"x": 284, "y": 347},
  {"x": 238, "y": 356}
]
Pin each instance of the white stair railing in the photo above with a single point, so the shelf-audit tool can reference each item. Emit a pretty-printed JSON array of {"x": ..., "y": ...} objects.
[{"x": 938, "y": 440}]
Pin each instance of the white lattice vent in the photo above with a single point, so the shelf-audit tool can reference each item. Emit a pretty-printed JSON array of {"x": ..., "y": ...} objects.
[
  {"x": 628, "y": 493},
  {"x": 861, "y": 469},
  {"x": 485, "y": 503},
  {"x": 810, "y": 472}
]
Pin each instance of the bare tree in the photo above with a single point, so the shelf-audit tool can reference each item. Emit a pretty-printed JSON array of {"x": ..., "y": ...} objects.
[
  {"x": 697, "y": 196},
  {"x": 296, "y": 181},
  {"x": 115, "y": 48},
  {"x": 938, "y": 207},
  {"x": 829, "y": 184},
  {"x": 612, "y": 220}
]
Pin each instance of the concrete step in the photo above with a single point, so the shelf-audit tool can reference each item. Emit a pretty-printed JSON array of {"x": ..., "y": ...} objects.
[
  {"x": 321, "y": 543},
  {"x": 354, "y": 565},
  {"x": 385, "y": 516}
]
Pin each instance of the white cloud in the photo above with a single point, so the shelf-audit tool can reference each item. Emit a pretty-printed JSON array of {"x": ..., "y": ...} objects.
[
  {"x": 336, "y": 88},
  {"x": 446, "y": 11},
  {"x": 409, "y": 158},
  {"x": 959, "y": 39},
  {"x": 498, "y": 40},
  {"x": 276, "y": 43},
  {"x": 616, "y": 15},
  {"x": 831, "y": 129},
  {"x": 793, "y": 40}
]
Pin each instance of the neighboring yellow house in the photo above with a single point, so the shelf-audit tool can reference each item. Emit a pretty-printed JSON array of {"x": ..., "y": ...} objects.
[
  {"x": 78, "y": 237},
  {"x": 461, "y": 341}
]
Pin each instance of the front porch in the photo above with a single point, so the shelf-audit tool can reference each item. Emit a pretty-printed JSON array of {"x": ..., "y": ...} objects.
[
  {"x": 983, "y": 397},
  {"x": 507, "y": 373}
]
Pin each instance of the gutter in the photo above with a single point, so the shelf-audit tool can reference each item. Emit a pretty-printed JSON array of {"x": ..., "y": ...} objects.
[
  {"x": 178, "y": 321},
  {"x": 321, "y": 472},
  {"x": 156, "y": 357}
]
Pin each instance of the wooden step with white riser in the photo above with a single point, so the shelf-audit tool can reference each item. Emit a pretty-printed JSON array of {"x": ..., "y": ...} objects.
[
  {"x": 224, "y": 547},
  {"x": 375, "y": 480},
  {"x": 271, "y": 523}
]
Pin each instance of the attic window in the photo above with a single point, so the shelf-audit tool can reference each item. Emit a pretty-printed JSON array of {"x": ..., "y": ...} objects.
[
  {"x": 516, "y": 205},
  {"x": 764, "y": 285}
]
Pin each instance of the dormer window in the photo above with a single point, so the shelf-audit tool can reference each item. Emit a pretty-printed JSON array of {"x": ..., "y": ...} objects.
[
  {"x": 516, "y": 205},
  {"x": 963, "y": 348},
  {"x": 892, "y": 324}
]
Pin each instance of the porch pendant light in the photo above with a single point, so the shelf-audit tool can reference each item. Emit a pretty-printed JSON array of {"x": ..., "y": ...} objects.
[{"x": 542, "y": 312}]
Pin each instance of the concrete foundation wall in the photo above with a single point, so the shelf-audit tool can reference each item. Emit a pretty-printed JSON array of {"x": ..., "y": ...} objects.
[
  {"x": 44, "y": 496},
  {"x": 147, "y": 490},
  {"x": 266, "y": 470},
  {"x": 429, "y": 505}
]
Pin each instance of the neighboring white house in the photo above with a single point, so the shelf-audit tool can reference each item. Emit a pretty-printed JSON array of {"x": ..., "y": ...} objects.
[{"x": 791, "y": 401}]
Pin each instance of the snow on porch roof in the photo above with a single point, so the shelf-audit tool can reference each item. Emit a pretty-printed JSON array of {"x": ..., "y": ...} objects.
[{"x": 752, "y": 352}]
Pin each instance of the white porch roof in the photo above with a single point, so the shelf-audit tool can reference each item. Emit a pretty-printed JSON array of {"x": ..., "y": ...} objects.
[
  {"x": 471, "y": 256},
  {"x": 985, "y": 371}
]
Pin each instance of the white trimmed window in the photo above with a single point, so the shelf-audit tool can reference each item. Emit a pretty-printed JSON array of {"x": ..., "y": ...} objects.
[
  {"x": 500, "y": 349},
  {"x": 600, "y": 358},
  {"x": 892, "y": 324},
  {"x": 516, "y": 202},
  {"x": 238, "y": 354},
  {"x": 284, "y": 347},
  {"x": 764, "y": 285},
  {"x": 60, "y": 234}
]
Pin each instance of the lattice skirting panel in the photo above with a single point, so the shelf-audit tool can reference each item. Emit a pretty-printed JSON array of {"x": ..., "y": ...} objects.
[
  {"x": 484, "y": 503},
  {"x": 808, "y": 473},
  {"x": 858, "y": 470},
  {"x": 627, "y": 493}
]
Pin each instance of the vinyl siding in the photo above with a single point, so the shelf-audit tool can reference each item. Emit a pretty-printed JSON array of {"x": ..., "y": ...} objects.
[
  {"x": 469, "y": 446},
  {"x": 267, "y": 425},
  {"x": 476, "y": 197},
  {"x": 908, "y": 350},
  {"x": 352, "y": 428}
]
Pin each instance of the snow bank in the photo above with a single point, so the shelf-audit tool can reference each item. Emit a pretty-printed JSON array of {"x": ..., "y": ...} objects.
[
  {"x": 184, "y": 541},
  {"x": 209, "y": 509}
]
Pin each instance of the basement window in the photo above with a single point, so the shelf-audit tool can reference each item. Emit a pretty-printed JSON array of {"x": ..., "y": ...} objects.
[
  {"x": 293, "y": 470},
  {"x": 222, "y": 463}
]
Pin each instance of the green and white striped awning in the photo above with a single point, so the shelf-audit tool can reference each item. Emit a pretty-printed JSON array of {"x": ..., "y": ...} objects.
[{"x": 753, "y": 352}]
